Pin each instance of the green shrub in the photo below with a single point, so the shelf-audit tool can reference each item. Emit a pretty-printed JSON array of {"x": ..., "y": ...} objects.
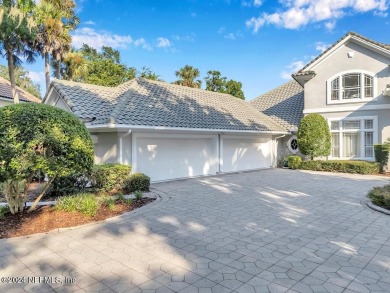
[
  {"x": 68, "y": 185},
  {"x": 108, "y": 201},
  {"x": 356, "y": 167},
  {"x": 110, "y": 177},
  {"x": 137, "y": 182},
  {"x": 382, "y": 152},
  {"x": 3, "y": 211},
  {"x": 380, "y": 196},
  {"x": 85, "y": 203},
  {"x": 138, "y": 195},
  {"x": 314, "y": 137},
  {"x": 38, "y": 137},
  {"x": 294, "y": 162}
]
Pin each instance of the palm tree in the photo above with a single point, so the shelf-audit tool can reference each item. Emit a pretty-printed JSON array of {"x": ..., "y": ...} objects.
[
  {"x": 17, "y": 33},
  {"x": 73, "y": 67},
  {"x": 187, "y": 76},
  {"x": 55, "y": 18}
]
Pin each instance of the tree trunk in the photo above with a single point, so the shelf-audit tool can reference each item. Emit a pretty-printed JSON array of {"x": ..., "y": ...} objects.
[
  {"x": 13, "y": 196},
  {"x": 36, "y": 201},
  {"x": 58, "y": 68},
  {"x": 11, "y": 72},
  {"x": 47, "y": 70}
]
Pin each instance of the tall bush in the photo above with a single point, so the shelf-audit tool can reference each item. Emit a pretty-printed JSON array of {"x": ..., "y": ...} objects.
[
  {"x": 314, "y": 138},
  {"x": 37, "y": 137},
  {"x": 382, "y": 154}
]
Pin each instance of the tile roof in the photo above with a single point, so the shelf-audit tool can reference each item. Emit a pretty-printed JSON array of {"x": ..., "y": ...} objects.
[
  {"x": 283, "y": 104},
  {"x": 142, "y": 102},
  {"x": 6, "y": 92},
  {"x": 303, "y": 71}
]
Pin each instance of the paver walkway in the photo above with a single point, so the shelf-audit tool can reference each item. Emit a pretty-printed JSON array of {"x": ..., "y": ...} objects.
[{"x": 264, "y": 231}]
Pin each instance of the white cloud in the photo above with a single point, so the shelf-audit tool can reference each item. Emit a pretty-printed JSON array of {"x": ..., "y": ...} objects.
[
  {"x": 143, "y": 44},
  {"x": 292, "y": 68},
  {"x": 250, "y": 3},
  {"x": 97, "y": 39},
  {"x": 89, "y": 22},
  {"x": 36, "y": 76},
  {"x": 163, "y": 42},
  {"x": 233, "y": 36},
  {"x": 320, "y": 46},
  {"x": 188, "y": 37},
  {"x": 221, "y": 29},
  {"x": 298, "y": 13}
]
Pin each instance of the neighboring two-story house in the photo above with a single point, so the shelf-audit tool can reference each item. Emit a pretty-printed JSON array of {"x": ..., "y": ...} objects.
[{"x": 349, "y": 85}]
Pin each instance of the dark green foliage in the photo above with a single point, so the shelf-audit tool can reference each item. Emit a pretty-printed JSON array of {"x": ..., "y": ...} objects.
[
  {"x": 137, "y": 182},
  {"x": 110, "y": 177},
  {"x": 37, "y": 137},
  {"x": 105, "y": 67},
  {"x": 314, "y": 137},
  {"x": 357, "y": 167},
  {"x": 380, "y": 196},
  {"x": 216, "y": 83},
  {"x": 382, "y": 152},
  {"x": 294, "y": 162},
  {"x": 67, "y": 185}
]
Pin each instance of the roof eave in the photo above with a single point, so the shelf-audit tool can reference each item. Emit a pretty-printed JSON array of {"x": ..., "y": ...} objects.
[
  {"x": 303, "y": 78},
  {"x": 126, "y": 127}
]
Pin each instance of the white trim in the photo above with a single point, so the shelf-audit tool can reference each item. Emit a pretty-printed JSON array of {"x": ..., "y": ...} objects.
[
  {"x": 362, "y": 99},
  {"x": 358, "y": 41},
  {"x": 133, "y": 153},
  {"x": 340, "y": 131},
  {"x": 46, "y": 98},
  {"x": 220, "y": 153},
  {"x": 347, "y": 109},
  {"x": 137, "y": 127},
  {"x": 121, "y": 137}
]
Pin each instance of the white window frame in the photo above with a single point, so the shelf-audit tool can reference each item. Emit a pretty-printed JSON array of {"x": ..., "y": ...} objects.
[
  {"x": 361, "y": 130},
  {"x": 362, "y": 98}
]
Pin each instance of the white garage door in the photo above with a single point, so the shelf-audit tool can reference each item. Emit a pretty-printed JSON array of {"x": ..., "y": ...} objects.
[
  {"x": 169, "y": 158},
  {"x": 246, "y": 154}
]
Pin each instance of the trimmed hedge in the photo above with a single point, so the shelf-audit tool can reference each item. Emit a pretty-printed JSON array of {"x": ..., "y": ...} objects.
[
  {"x": 356, "y": 167},
  {"x": 380, "y": 196},
  {"x": 67, "y": 185},
  {"x": 110, "y": 177},
  {"x": 382, "y": 152},
  {"x": 137, "y": 182},
  {"x": 294, "y": 162}
]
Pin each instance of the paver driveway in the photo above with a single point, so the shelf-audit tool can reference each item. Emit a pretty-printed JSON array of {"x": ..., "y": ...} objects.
[{"x": 270, "y": 230}]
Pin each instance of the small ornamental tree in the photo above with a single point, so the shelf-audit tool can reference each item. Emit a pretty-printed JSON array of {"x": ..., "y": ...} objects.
[
  {"x": 314, "y": 138},
  {"x": 38, "y": 137}
]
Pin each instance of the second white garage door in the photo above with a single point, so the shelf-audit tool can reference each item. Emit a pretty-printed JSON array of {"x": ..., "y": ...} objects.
[
  {"x": 245, "y": 154},
  {"x": 169, "y": 158}
]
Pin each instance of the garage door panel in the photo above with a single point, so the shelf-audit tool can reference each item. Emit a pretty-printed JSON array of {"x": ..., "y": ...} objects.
[
  {"x": 169, "y": 158},
  {"x": 246, "y": 154}
]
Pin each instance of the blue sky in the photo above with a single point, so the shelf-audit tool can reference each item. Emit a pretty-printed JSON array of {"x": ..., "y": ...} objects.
[{"x": 257, "y": 42}]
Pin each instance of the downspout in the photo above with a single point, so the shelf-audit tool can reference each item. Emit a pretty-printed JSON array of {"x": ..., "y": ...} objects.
[
  {"x": 121, "y": 137},
  {"x": 274, "y": 149}
]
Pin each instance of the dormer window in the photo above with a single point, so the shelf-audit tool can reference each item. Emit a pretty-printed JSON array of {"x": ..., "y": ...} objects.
[{"x": 350, "y": 87}]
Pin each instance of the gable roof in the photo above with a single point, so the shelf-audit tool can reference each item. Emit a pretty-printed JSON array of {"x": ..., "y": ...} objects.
[
  {"x": 283, "y": 104},
  {"x": 307, "y": 70},
  {"x": 142, "y": 102},
  {"x": 6, "y": 92}
]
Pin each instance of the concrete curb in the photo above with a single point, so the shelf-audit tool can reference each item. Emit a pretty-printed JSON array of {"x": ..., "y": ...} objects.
[
  {"x": 160, "y": 196},
  {"x": 376, "y": 208}
]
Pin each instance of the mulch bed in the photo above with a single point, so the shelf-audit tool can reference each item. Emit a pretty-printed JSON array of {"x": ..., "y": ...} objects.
[{"x": 47, "y": 218}]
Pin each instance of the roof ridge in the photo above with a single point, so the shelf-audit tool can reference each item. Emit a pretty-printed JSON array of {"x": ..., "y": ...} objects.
[
  {"x": 292, "y": 81},
  {"x": 122, "y": 99},
  {"x": 350, "y": 33}
]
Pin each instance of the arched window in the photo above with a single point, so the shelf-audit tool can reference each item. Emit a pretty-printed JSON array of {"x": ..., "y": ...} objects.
[{"x": 350, "y": 86}]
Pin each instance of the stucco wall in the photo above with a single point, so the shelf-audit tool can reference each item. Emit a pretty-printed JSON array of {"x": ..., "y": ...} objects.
[
  {"x": 5, "y": 103},
  {"x": 363, "y": 59},
  {"x": 106, "y": 148},
  {"x": 282, "y": 149}
]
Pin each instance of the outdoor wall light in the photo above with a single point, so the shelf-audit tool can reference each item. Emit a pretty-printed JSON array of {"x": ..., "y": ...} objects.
[{"x": 386, "y": 92}]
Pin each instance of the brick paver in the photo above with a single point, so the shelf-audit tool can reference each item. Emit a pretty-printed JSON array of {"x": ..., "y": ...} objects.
[{"x": 263, "y": 231}]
